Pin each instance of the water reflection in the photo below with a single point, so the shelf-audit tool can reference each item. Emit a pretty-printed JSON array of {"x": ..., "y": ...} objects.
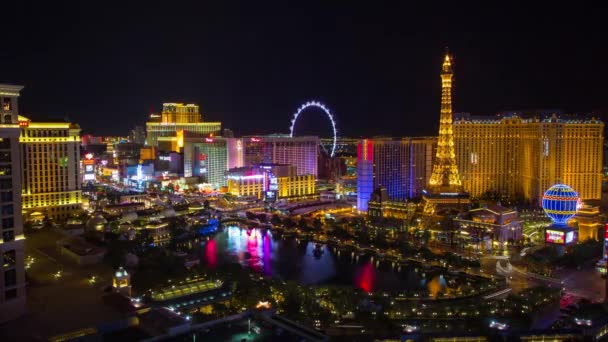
[
  {"x": 211, "y": 254},
  {"x": 308, "y": 263},
  {"x": 366, "y": 276}
]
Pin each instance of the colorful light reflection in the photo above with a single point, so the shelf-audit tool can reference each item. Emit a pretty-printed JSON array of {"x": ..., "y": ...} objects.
[
  {"x": 366, "y": 277},
  {"x": 211, "y": 254}
]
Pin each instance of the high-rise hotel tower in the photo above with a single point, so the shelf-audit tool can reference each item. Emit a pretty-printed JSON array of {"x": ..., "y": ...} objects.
[
  {"x": 50, "y": 165},
  {"x": 12, "y": 274},
  {"x": 401, "y": 166},
  {"x": 515, "y": 154},
  {"x": 445, "y": 187},
  {"x": 176, "y": 121}
]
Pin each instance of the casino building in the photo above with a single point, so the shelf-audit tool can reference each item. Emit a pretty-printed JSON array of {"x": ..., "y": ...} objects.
[
  {"x": 523, "y": 154},
  {"x": 270, "y": 181},
  {"x": 175, "y": 119},
  {"x": 495, "y": 224},
  {"x": 50, "y": 169}
]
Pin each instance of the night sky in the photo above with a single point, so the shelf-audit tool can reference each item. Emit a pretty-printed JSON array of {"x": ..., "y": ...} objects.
[{"x": 106, "y": 65}]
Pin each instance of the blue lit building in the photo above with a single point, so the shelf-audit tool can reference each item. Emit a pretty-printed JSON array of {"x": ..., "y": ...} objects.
[{"x": 401, "y": 166}]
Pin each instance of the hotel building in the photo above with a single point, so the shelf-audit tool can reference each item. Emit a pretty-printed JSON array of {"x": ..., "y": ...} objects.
[
  {"x": 401, "y": 166},
  {"x": 50, "y": 169},
  {"x": 210, "y": 158},
  {"x": 279, "y": 149},
  {"x": 255, "y": 181},
  {"x": 512, "y": 155},
  {"x": 175, "y": 119},
  {"x": 12, "y": 275}
]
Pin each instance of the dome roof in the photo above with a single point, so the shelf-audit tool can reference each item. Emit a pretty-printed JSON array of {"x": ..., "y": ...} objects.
[
  {"x": 97, "y": 222},
  {"x": 560, "y": 203}
]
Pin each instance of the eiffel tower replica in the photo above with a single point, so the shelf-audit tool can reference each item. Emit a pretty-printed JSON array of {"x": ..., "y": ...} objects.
[{"x": 444, "y": 191}]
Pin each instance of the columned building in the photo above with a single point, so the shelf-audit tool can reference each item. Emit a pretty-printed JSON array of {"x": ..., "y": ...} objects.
[
  {"x": 12, "y": 276},
  {"x": 50, "y": 168}
]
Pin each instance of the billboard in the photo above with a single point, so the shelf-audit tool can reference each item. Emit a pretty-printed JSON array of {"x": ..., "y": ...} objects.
[
  {"x": 89, "y": 167},
  {"x": 606, "y": 242},
  {"x": 569, "y": 237},
  {"x": 274, "y": 184},
  {"x": 555, "y": 236},
  {"x": 270, "y": 196}
]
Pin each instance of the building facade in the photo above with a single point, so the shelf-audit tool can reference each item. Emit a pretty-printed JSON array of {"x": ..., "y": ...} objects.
[
  {"x": 515, "y": 156},
  {"x": 50, "y": 169},
  {"x": 210, "y": 158},
  {"x": 278, "y": 149},
  {"x": 380, "y": 206},
  {"x": 489, "y": 226},
  {"x": 255, "y": 181},
  {"x": 12, "y": 276},
  {"x": 175, "y": 119},
  {"x": 401, "y": 166}
]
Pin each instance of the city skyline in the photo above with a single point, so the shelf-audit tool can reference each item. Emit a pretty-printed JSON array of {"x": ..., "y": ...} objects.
[{"x": 253, "y": 66}]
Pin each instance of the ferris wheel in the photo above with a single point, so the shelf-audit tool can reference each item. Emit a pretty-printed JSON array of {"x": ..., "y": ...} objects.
[{"x": 324, "y": 108}]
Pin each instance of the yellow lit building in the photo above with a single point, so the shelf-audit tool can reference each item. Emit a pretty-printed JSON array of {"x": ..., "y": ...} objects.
[
  {"x": 50, "y": 168},
  {"x": 588, "y": 221},
  {"x": 512, "y": 156},
  {"x": 254, "y": 181},
  {"x": 177, "y": 120},
  {"x": 381, "y": 206}
]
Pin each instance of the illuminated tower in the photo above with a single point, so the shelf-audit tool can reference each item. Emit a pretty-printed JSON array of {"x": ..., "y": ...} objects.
[
  {"x": 445, "y": 171},
  {"x": 444, "y": 188}
]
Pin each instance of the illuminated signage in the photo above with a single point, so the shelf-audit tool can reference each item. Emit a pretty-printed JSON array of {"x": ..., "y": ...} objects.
[
  {"x": 569, "y": 237},
  {"x": 24, "y": 123},
  {"x": 208, "y": 140},
  {"x": 165, "y": 158},
  {"x": 255, "y": 140},
  {"x": 555, "y": 236},
  {"x": 274, "y": 185},
  {"x": 202, "y": 156},
  {"x": 88, "y": 168},
  {"x": 270, "y": 196},
  {"x": 89, "y": 155},
  {"x": 89, "y": 176},
  {"x": 246, "y": 177}
]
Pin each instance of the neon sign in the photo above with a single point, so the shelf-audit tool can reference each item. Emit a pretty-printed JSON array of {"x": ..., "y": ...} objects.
[{"x": 555, "y": 236}]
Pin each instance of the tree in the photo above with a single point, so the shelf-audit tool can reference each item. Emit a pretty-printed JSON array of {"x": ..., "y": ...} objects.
[
  {"x": 275, "y": 220},
  {"x": 288, "y": 222},
  {"x": 317, "y": 224},
  {"x": 262, "y": 218},
  {"x": 302, "y": 224},
  {"x": 206, "y": 204}
]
